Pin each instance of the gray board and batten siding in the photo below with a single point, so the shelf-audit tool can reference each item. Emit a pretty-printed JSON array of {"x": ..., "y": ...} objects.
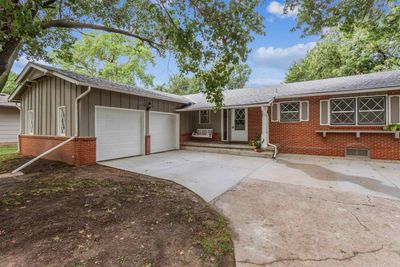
[{"x": 48, "y": 93}]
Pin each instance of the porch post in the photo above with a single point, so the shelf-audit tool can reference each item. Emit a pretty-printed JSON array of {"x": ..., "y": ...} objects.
[{"x": 265, "y": 126}]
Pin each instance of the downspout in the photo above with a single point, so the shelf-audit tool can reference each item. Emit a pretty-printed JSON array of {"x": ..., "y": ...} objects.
[
  {"x": 63, "y": 143},
  {"x": 20, "y": 126},
  {"x": 264, "y": 110}
]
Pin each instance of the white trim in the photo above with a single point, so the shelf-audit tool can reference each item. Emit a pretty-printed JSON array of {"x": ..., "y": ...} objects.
[
  {"x": 360, "y": 91},
  {"x": 58, "y": 121},
  {"x": 277, "y": 111},
  {"x": 308, "y": 110},
  {"x": 390, "y": 108},
  {"x": 228, "y": 107},
  {"x": 209, "y": 118},
  {"x": 292, "y": 101},
  {"x": 29, "y": 130},
  {"x": 356, "y": 111},
  {"x": 328, "y": 112}
]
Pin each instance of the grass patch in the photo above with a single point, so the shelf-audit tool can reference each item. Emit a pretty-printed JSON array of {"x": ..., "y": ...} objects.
[
  {"x": 45, "y": 187},
  {"x": 4, "y": 150},
  {"x": 216, "y": 240}
]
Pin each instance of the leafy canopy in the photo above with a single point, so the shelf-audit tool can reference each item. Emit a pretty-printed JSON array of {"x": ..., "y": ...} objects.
[
  {"x": 367, "y": 48},
  {"x": 110, "y": 56},
  {"x": 181, "y": 85},
  {"x": 206, "y": 37},
  {"x": 11, "y": 84}
]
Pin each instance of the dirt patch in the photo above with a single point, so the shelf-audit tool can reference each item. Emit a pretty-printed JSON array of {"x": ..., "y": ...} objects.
[{"x": 60, "y": 215}]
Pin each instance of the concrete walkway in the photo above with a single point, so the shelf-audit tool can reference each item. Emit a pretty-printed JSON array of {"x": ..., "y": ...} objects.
[{"x": 294, "y": 211}]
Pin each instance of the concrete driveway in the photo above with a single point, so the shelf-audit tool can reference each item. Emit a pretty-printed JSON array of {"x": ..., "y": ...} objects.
[{"x": 294, "y": 211}]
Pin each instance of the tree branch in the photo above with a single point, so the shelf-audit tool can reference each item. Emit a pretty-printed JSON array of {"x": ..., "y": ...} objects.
[
  {"x": 48, "y": 3},
  {"x": 80, "y": 25}
]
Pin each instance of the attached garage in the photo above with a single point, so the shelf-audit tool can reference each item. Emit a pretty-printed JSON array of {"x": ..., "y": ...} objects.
[
  {"x": 164, "y": 131},
  {"x": 119, "y": 133}
]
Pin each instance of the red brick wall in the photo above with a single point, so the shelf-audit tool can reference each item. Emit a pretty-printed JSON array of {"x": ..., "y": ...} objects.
[
  {"x": 80, "y": 151},
  {"x": 301, "y": 138},
  {"x": 254, "y": 123}
]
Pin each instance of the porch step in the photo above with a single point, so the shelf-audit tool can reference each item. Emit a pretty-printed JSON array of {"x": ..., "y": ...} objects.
[
  {"x": 230, "y": 151},
  {"x": 222, "y": 145}
]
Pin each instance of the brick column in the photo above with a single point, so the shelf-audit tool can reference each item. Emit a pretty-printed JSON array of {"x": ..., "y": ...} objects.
[{"x": 147, "y": 145}]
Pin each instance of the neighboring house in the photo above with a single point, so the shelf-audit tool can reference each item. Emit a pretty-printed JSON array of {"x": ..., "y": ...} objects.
[
  {"x": 332, "y": 117},
  {"x": 9, "y": 121}
]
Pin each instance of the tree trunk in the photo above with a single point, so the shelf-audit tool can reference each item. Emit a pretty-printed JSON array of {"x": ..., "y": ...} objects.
[{"x": 7, "y": 58}]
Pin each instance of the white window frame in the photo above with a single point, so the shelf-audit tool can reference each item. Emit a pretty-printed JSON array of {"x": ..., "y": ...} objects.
[
  {"x": 389, "y": 108},
  {"x": 59, "y": 133},
  {"x": 209, "y": 117},
  {"x": 279, "y": 111},
  {"x": 329, "y": 112},
  {"x": 308, "y": 110},
  {"x": 385, "y": 111},
  {"x": 31, "y": 122},
  {"x": 356, "y": 111}
]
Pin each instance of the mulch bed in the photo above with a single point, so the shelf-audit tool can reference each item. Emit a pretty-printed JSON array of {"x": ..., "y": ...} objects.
[{"x": 59, "y": 215}]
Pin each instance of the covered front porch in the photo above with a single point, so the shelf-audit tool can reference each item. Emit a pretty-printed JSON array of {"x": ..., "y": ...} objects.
[{"x": 228, "y": 130}]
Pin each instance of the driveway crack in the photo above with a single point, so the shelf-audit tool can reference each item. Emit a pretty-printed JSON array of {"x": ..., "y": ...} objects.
[
  {"x": 359, "y": 222},
  {"x": 353, "y": 255}
]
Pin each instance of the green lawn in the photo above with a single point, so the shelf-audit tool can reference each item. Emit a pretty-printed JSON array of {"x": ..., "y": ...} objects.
[{"x": 8, "y": 150}]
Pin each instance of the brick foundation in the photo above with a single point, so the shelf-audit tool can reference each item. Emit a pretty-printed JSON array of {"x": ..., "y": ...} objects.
[
  {"x": 80, "y": 151},
  {"x": 301, "y": 138}
]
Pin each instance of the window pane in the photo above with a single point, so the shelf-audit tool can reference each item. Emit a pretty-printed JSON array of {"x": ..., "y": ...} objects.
[
  {"x": 204, "y": 116},
  {"x": 343, "y": 111},
  {"x": 290, "y": 111},
  {"x": 240, "y": 119},
  {"x": 372, "y": 110}
]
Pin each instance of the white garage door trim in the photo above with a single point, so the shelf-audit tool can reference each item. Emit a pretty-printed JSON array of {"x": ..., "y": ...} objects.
[
  {"x": 154, "y": 146},
  {"x": 106, "y": 153}
]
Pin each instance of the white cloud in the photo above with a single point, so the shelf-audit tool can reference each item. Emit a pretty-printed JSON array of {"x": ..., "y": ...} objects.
[
  {"x": 270, "y": 64},
  {"x": 277, "y": 9},
  {"x": 281, "y": 57}
]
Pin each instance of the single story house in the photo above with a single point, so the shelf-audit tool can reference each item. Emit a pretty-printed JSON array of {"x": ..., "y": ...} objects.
[
  {"x": 9, "y": 121},
  {"x": 100, "y": 120}
]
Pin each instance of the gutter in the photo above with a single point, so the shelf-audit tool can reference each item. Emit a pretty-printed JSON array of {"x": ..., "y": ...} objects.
[{"x": 63, "y": 143}]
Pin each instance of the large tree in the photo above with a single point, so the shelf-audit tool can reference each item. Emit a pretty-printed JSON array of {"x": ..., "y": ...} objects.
[
  {"x": 181, "y": 85},
  {"x": 315, "y": 16},
  {"x": 10, "y": 84},
  {"x": 111, "y": 56},
  {"x": 342, "y": 54},
  {"x": 206, "y": 37}
]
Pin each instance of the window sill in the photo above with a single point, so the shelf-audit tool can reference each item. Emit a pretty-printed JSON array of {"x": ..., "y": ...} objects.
[{"x": 358, "y": 132}]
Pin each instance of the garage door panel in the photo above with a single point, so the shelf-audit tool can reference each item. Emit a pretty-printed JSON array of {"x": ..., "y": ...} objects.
[
  {"x": 119, "y": 133},
  {"x": 163, "y": 131}
]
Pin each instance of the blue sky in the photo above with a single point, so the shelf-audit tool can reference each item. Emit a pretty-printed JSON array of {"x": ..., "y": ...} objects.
[{"x": 271, "y": 54}]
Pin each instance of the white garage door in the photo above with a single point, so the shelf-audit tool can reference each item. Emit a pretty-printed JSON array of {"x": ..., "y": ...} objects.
[
  {"x": 119, "y": 133},
  {"x": 164, "y": 134}
]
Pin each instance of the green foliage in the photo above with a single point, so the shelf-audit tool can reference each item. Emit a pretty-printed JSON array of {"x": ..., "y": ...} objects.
[
  {"x": 110, "y": 56},
  {"x": 10, "y": 84},
  {"x": 314, "y": 16},
  {"x": 206, "y": 37},
  {"x": 338, "y": 54},
  {"x": 392, "y": 127},
  {"x": 182, "y": 85}
]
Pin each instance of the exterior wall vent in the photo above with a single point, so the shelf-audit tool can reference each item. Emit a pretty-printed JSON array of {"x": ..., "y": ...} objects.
[{"x": 357, "y": 152}]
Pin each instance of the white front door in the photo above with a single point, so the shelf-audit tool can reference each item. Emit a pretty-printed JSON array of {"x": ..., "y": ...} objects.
[
  {"x": 164, "y": 131},
  {"x": 239, "y": 124}
]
